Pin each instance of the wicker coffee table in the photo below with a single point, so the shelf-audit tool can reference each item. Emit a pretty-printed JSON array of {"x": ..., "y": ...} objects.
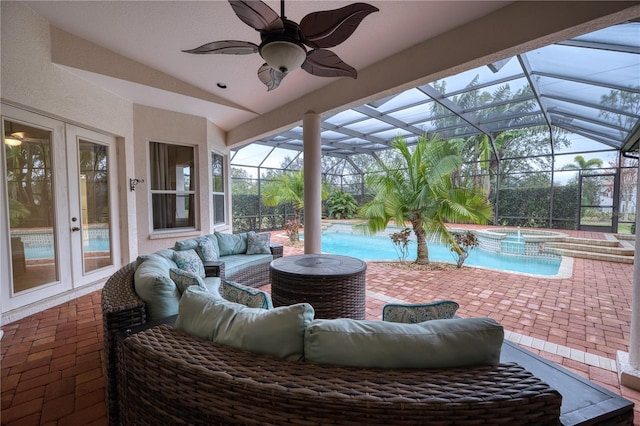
[{"x": 334, "y": 285}]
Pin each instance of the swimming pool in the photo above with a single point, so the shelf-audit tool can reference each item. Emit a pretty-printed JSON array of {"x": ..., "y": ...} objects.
[
  {"x": 380, "y": 247},
  {"x": 45, "y": 251}
]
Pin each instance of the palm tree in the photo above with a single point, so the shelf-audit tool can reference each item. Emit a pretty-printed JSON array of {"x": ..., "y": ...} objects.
[
  {"x": 419, "y": 189},
  {"x": 580, "y": 163},
  {"x": 288, "y": 188}
]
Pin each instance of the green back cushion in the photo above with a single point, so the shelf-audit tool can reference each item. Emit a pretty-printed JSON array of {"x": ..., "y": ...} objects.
[
  {"x": 258, "y": 243},
  {"x": 231, "y": 243},
  {"x": 248, "y": 296},
  {"x": 431, "y": 344},
  {"x": 155, "y": 288},
  {"x": 276, "y": 332},
  {"x": 188, "y": 244},
  {"x": 413, "y": 313}
]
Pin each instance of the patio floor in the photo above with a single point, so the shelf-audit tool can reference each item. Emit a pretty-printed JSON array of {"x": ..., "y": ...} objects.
[{"x": 51, "y": 370}]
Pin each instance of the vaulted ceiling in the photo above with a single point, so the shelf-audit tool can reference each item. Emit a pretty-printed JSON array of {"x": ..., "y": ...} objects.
[{"x": 540, "y": 49}]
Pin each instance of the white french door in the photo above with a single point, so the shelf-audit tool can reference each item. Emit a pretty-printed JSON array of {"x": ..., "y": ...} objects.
[{"x": 59, "y": 211}]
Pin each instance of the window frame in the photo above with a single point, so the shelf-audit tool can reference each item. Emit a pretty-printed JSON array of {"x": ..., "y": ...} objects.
[
  {"x": 224, "y": 193},
  {"x": 193, "y": 192}
]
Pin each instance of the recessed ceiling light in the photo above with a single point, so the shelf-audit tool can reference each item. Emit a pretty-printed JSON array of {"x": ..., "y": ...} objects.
[{"x": 222, "y": 85}]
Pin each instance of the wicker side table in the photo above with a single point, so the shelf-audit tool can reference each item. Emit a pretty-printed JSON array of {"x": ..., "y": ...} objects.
[{"x": 334, "y": 285}]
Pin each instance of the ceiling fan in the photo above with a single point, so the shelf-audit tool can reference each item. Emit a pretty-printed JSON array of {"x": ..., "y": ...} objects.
[{"x": 283, "y": 41}]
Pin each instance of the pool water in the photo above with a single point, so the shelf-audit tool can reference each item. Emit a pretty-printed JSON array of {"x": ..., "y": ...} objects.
[
  {"x": 46, "y": 251},
  {"x": 368, "y": 247}
]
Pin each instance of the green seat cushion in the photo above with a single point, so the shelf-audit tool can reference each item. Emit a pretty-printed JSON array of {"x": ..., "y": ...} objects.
[
  {"x": 413, "y": 313},
  {"x": 155, "y": 288},
  {"x": 258, "y": 243},
  {"x": 189, "y": 261},
  {"x": 430, "y": 344},
  {"x": 229, "y": 244},
  {"x": 248, "y": 296},
  {"x": 212, "y": 284},
  {"x": 237, "y": 262},
  {"x": 276, "y": 332}
]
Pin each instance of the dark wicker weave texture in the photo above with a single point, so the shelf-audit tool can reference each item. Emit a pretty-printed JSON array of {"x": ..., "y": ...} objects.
[
  {"x": 253, "y": 276},
  {"x": 168, "y": 377},
  {"x": 121, "y": 309},
  {"x": 332, "y": 296}
]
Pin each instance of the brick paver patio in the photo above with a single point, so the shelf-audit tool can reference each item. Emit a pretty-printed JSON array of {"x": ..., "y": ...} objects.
[{"x": 51, "y": 366}]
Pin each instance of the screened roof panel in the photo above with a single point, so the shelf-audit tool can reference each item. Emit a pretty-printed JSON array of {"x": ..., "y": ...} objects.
[
  {"x": 511, "y": 89},
  {"x": 617, "y": 35},
  {"x": 343, "y": 117},
  {"x": 392, "y": 133},
  {"x": 578, "y": 143},
  {"x": 368, "y": 126},
  {"x": 588, "y": 86},
  {"x": 331, "y": 135},
  {"x": 589, "y": 64},
  {"x": 507, "y": 110},
  {"x": 569, "y": 111},
  {"x": 412, "y": 114},
  {"x": 478, "y": 77},
  {"x": 517, "y": 121},
  {"x": 408, "y": 97},
  {"x": 580, "y": 92}
]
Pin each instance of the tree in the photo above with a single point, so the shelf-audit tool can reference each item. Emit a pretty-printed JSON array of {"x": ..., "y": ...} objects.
[
  {"x": 288, "y": 188},
  {"x": 580, "y": 163},
  {"x": 419, "y": 189}
]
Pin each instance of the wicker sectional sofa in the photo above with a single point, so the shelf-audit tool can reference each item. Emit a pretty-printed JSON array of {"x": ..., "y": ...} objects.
[{"x": 158, "y": 375}]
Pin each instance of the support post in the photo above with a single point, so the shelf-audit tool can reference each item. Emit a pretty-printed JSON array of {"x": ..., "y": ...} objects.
[
  {"x": 629, "y": 363},
  {"x": 312, "y": 183}
]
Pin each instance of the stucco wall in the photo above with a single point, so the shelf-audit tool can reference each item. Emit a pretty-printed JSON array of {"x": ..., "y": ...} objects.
[
  {"x": 30, "y": 81},
  {"x": 156, "y": 125}
]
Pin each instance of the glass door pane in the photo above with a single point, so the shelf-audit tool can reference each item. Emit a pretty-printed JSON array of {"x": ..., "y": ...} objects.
[
  {"x": 92, "y": 203},
  {"x": 30, "y": 182},
  {"x": 95, "y": 207}
]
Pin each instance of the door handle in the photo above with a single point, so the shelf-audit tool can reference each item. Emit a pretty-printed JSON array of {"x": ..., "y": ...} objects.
[{"x": 75, "y": 229}]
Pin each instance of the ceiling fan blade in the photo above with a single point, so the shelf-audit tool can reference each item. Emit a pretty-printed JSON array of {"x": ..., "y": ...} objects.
[
  {"x": 271, "y": 77},
  {"x": 257, "y": 15},
  {"x": 325, "y": 63},
  {"x": 329, "y": 28},
  {"x": 227, "y": 47}
]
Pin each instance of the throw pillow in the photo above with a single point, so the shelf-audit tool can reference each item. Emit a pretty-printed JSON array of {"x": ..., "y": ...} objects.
[
  {"x": 410, "y": 314},
  {"x": 430, "y": 344},
  {"x": 207, "y": 250},
  {"x": 276, "y": 332},
  {"x": 184, "y": 279},
  {"x": 248, "y": 296},
  {"x": 258, "y": 243},
  {"x": 189, "y": 261}
]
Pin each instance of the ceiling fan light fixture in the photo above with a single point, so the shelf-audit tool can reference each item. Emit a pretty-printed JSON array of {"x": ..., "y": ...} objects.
[
  {"x": 12, "y": 141},
  {"x": 284, "y": 56}
]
